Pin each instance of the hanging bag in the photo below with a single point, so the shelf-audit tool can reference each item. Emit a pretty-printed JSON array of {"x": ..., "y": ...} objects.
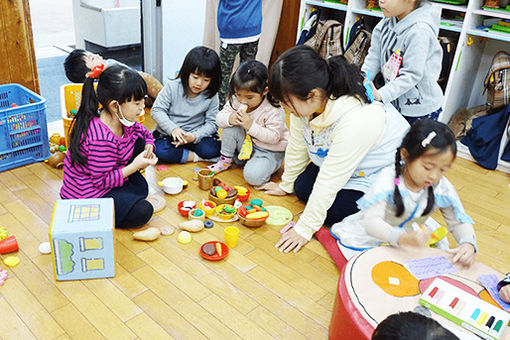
[
  {"x": 359, "y": 43},
  {"x": 327, "y": 39},
  {"x": 497, "y": 81}
]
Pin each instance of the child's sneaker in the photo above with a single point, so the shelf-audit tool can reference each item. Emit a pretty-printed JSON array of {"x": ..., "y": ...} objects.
[{"x": 223, "y": 164}]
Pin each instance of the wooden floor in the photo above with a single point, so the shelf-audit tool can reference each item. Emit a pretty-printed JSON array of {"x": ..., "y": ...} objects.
[{"x": 164, "y": 289}]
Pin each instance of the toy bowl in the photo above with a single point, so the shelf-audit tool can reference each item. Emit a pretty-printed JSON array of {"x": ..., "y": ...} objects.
[
  {"x": 182, "y": 211},
  {"x": 255, "y": 223},
  {"x": 219, "y": 201},
  {"x": 243, "y": 198},
  {"x": 208, "y": 207},
  {"x": 225, "y": 216},
  {"x": 196, "y": 214},
  {"x": 172, "y": 185}
]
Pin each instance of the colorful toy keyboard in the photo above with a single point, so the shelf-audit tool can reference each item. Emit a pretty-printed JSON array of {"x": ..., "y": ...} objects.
[{"x": 466, "y": 310}]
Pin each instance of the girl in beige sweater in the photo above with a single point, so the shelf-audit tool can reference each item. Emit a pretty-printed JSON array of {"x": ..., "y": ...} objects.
[{"x": 253, "y": 125}]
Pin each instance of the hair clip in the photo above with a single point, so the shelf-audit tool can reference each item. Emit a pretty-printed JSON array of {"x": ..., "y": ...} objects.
[
  {"x": 397, "y": 181},
  {"x": 426, "y": 141},
  {"x": 96, "y": 71}
]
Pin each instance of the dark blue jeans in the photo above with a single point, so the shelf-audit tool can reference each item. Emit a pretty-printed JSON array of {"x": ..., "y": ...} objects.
[
  {"x": 207, "y": 148},
  {"x": 345, "y": 201},
  {"x": 434, "y": 116}
]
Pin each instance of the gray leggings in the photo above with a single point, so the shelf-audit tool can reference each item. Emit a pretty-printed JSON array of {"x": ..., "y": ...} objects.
[{"x": 262, "y": 163}]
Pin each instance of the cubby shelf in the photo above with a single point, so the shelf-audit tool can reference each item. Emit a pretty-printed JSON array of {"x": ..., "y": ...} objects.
[{"x": 473, "y": 55}]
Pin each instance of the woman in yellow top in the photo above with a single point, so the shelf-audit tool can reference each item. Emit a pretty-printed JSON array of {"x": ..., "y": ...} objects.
[{"x": 338, "y": 140}]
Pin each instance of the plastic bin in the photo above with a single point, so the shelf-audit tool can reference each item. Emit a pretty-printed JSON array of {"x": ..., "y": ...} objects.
[
  {"x": 70, "y": 99},
  {"x": 23, "y": 129}
]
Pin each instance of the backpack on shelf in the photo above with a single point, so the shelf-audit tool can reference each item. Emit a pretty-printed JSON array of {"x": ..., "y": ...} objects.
[
  {"x": 448, "y": 45},
  {"x": 327, "y": 39},
  {"x": 497, "y": 81},
  {"x": 358, "y": 45}
]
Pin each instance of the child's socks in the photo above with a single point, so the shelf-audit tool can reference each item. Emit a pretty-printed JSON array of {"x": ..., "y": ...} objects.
[
  {"x": 246, "y": 149},
  {"x": 223, "y": 164}
]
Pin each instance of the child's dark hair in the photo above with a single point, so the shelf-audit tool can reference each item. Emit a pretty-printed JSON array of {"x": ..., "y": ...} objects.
[
  {"x": 115, "y": 83},
  {"x": 204, "y": 61},
  {"x": 301, "y": 69},
  {"x": 75, "y": 66},
  {"x": 416, "y": 143},
  {"x": 251, "y": 76},
  {"x": 411, "y": 326}
]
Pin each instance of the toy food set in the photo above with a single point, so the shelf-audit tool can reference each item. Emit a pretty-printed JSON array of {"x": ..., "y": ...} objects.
[
  {"x": 220, "y": 193},
  {"x": 225, "y": 211},
  {"x": 185, "y": 207},
  {"x": 253, "y": 214},
  {"x": 214, "y": 250},
  {"x": 466, "y": 310},
  {"x": 81, "y": 234}
]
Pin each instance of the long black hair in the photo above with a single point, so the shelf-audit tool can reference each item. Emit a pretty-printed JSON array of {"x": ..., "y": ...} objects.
[
  {"x": 204, "y": 61},
  {"x": 414, "y": 144},
  {"x": 301, "y": 69},
  {"x": 115, "y": 83},
  {"x": 411, "y": 326},
  {"x": 251, "y": 76}
]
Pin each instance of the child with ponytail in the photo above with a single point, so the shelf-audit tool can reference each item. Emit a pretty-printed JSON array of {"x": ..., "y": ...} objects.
[
  {"x": 406, "y": 194},
  {"x": 108, "y": 147}
]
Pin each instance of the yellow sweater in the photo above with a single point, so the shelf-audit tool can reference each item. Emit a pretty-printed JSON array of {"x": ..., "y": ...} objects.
[{"x": 361, "y": 128}]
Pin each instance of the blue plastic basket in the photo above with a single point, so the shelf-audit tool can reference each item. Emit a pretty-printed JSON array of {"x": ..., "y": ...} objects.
[{"x": 23, "y": 129}]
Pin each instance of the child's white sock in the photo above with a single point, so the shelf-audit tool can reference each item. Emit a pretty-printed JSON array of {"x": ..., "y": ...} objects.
[
  {"x": 223, "y": 164},
  {"x": 196, "y": 158}
]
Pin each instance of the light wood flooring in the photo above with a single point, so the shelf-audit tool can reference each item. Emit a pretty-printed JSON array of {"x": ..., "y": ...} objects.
[{"x": 163, "y": 289}]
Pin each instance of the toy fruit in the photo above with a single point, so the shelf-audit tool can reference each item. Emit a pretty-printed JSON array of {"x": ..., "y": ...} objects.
[
  {"x": 192, "y": 225},
  {"x": 149, "y": 234},
  {"x": 184, "y": 237},
  {"x": 11, "y": 261},
  {"x": 55, "y": 138}
]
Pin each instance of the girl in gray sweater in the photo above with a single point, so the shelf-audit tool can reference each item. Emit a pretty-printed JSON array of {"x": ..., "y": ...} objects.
[
  {"x": 185, "y": 110},
  {"x": 405, "y": 49}
]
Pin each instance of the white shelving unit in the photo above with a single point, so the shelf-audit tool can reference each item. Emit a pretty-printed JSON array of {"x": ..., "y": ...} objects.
[{"x": 473, "y": 55}]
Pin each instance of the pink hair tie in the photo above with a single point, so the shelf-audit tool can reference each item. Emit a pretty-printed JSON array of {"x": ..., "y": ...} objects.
[{"x": 397, "y": 181}]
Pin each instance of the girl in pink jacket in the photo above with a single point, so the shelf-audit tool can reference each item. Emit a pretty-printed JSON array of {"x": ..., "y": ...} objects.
[{"x": 254, "y": 132}]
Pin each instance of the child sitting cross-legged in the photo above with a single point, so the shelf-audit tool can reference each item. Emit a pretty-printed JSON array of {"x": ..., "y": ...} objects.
[
  {"x": 253, "y": 125},
  {"x": 410, "y": 191}
]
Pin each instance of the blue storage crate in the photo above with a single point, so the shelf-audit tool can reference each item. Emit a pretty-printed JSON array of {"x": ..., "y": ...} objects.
[{"x": 23, "y": 129}]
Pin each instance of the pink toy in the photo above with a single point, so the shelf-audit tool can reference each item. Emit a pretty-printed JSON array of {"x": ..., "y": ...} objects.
[{"x": 3, "y": 276}]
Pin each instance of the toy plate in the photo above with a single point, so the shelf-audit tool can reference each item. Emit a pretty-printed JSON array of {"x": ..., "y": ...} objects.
[
  {"x": 278, "y": 215},
  {"x": 215, "y": 256}
]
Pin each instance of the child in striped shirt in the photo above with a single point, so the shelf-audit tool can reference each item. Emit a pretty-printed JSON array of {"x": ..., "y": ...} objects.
[{"x": 108, "y": 147}]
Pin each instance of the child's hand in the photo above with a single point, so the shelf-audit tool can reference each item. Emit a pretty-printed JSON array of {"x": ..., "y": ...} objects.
[
  {"x": 141, "y": 162},
  {"x": 376, "y": 94},
  {"x": 178, "y": 135},
  {"x": 463, "y": 254},
  {"x": 189, "y": 137},
  {"x": 504, "y": 293},
  {"x": 291, "y": 241},
  {"x": 232, "y": 120},
  {"x": 149, "y": 151},
  {"x": 244, "y": 120},
  {"x": 271, "y": 188},
  {"x": 416, "y": 238}
]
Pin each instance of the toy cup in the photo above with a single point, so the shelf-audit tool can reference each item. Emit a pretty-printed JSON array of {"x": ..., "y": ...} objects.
[
  {"x": 231, "y": 236},
  {"x": 8, "y": 245},
  {"x": 205, "y": 179},
  {"x": 208, "y": 207}
]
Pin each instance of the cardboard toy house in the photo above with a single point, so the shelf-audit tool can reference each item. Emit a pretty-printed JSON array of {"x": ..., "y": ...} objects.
[{"x": 81, "y": 235}]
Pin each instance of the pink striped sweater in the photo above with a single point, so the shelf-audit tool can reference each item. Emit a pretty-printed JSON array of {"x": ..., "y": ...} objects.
[{"x": 106, "y": 155}]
